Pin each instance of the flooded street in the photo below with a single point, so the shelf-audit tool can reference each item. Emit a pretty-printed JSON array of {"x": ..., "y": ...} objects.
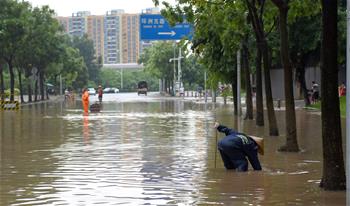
[{"x": 148, "y": 150}]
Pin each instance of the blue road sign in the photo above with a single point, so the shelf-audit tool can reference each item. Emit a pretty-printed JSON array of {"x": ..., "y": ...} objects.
[{"x": 156, "y": 27}]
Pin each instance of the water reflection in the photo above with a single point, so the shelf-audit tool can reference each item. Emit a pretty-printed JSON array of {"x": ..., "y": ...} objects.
[
  {"x": 152, "y": 152},
  {"x": 86, "y": 132}
]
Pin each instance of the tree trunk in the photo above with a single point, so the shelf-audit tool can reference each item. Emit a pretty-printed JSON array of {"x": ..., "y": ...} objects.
[
  {"x": 20, "y": 84},
  {"x": 273, "y": 128},
  {"x": 29, "y": 87},
  {"x": 258, "y": 27},
  {"x": 300, "y": 75},
  {"x": 42, "y": 88},
  {"x": 248, "y": 87},
  {"x": 213, "y": 92},
  {"x": 291, "y": 130},
  {"x": 234, "y": 94},
  {"x": 12, "y": 80},
  {"x": 36, "y": 90},
  {"x": 333, "y": 163},
  {"x": 2, "y": 86},
  {"x": 28, "y": 73},
  {"x": 259, "y": 92}
]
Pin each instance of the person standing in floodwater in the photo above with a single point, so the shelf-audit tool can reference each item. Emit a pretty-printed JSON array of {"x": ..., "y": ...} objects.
[
  {"x": 85, "y": 100},
  {"x": 315, "y": 92},
  {"x": 100, "y": 93},
  {"x": 235, "y": 147}
]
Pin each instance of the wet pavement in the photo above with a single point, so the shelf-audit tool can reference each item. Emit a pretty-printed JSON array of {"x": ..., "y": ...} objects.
[{"x": 149, "y": 150}]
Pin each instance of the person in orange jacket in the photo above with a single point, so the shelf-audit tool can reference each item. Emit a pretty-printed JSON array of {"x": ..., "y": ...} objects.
[{"x": 85, "y": 100}]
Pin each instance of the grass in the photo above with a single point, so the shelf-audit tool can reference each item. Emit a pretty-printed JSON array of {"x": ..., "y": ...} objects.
[{"x": 342, "y": 101}]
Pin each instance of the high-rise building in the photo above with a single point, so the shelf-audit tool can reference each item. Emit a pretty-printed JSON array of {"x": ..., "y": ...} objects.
[
  {"x": 146, "y": 43},
  {"x": 78, "y": 23},
  {"x": 116, "y": 35},
  {"x": 64, "y": 21},
  {"x": 95, "y": 32},
  {"x": 130, "y": 38},
  {"x": 112, "y": 33}
]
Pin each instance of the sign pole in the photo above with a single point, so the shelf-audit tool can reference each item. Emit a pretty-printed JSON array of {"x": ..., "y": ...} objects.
[
  {"x": 174, "y": 69},
  {"x": 205, "y": 86},
  {"x": 60, "y": 84},
  {"x": 179, "y": 68}
]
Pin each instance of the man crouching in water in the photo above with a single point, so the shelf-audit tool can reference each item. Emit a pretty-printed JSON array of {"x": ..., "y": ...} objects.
[{"x": 235, "y": 147}]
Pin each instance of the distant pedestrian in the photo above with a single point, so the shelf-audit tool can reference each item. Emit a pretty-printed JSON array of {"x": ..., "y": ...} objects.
[
  {"x": 85, "y": 100},
  {"x": 199, "y": 91},
  {"x": 315, "y": 92},
  {"x": 342, "y": 90},
  {"x": 100, "y": 93},
  {"x": 236, "y": 147}
]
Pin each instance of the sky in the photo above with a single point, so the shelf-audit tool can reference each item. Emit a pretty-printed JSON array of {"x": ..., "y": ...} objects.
[{"x": 96, "y": 7}]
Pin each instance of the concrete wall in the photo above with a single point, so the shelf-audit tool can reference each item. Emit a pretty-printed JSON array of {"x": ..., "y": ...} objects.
[{"x": 277, "y": 82}]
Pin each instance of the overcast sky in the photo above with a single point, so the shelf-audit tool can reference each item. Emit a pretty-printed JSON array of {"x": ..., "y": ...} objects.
[{"x": 96, "y": 7}]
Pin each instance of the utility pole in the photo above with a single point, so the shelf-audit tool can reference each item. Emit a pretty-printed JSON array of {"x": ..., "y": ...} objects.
[
  {"x": 174, "y": 70},
  {"x": 205, "y": 86},
  {"x": 60, "y": 84},
  {"x": 121, "y": 78},
  {"x": 179, "y": 68}
]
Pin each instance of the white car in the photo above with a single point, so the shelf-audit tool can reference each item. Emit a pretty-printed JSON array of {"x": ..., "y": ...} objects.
[
  {"x": 92, "y": 91},
  {"x": 116, "y": 90}
]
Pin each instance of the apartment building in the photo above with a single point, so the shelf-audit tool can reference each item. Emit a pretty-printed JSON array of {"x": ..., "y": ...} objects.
[
  {"x": 78, "y": 23},
  {"x": 130, "y": 38},
  {"x": 112, "y": 37},
  {"x": 64, "y": 21},
  {"x": 116, "y": 35},
  {"x": 95, "y": 32}
]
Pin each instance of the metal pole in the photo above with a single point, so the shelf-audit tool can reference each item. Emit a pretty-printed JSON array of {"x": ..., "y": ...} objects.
[
  {"x": 121, "y": 78},
  {"x": 179, "y": 68},
  {"x": 348, "y": 103},
  {"x": 239, "y": 83},
  {"x": 205, "y": 86},
  {"x": 60, "y": 84},
  {"x": 174, "y": 70}
]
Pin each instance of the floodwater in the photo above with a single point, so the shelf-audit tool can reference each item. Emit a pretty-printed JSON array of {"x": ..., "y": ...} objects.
[{"x": 150, "y": 151}]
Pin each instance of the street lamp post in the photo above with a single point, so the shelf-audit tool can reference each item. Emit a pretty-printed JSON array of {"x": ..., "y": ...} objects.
[
  {"x": 179, "y": 69},
  {"x": 60, "y": 84},
  {"x": 121, "y": 77},
  {"x": 205, "y": 86}
]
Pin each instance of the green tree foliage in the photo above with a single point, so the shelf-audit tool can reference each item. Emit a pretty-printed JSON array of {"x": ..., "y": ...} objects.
[
  {"x": 112, "y": 78},
  {"x": 31, "y": 41},
  {"x": 12, "y": 31},
  {"x": 192, "y": 72},
  {"x": 156, "y": 60},
  {"x": 87, "y": 51}
]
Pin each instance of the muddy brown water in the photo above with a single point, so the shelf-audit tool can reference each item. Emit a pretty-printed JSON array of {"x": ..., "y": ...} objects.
[{"x": 150, "y": 152}]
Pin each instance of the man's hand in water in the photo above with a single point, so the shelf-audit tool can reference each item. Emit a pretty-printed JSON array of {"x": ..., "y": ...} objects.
[{"x": 216, "y": 125}]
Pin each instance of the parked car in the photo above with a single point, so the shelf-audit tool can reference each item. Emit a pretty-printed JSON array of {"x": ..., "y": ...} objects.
[
  {"x": 142, "y": 88},
  {"x": 108, "y": 90},
  {"x": 92, "y": 91}
]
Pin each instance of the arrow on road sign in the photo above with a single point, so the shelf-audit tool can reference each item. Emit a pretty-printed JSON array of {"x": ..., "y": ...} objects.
[{"x": 172, "y": 33}]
